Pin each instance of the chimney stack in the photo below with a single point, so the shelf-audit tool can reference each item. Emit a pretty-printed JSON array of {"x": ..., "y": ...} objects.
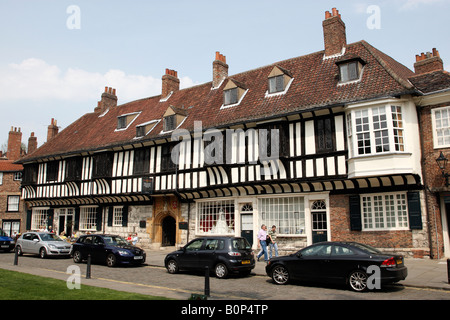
[
  {"x": 109, "y": 100},
  {"x": 428, "y": 62},
  {"x": 170, "y": 83},
  {"x": 335, "y": 38},
  {"x": 52, "y": 130},
  {"x": 14, "y": 144},
  {"x": 220, "y": 69},
  {"x": 32, "y": 143}
]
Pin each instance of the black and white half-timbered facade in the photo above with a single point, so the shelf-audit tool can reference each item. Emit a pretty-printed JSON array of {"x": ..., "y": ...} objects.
[{"x": 324, "y": 146}]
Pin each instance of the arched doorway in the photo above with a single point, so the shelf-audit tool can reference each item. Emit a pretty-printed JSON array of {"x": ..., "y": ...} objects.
[{"x": 168, "y": 231}]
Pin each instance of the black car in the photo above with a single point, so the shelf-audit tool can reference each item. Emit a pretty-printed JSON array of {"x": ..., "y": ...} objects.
[
  {"x": 111, "y": 249},
  {"x": 221, "y": 254},
  {"x": 349, "y": 263}
]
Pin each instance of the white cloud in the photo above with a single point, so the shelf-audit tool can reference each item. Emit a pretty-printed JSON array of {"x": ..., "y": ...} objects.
[{"x": 35, "y": 79}]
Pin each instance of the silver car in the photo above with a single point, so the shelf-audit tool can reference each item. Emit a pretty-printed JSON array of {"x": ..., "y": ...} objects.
[{"x": 42, "y": 243}]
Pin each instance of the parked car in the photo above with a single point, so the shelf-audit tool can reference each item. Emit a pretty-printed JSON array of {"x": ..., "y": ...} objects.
[
  {"x": 221, "y": 254},
  {"x": 6, "y": 242},
  {"x": 106, "y": 248},
  {"x": 337, "y": 262},
  {"x": 42, "y": 243}
]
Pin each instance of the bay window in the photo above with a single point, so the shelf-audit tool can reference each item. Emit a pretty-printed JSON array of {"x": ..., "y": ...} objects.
[{"x": 375, "y": 130}]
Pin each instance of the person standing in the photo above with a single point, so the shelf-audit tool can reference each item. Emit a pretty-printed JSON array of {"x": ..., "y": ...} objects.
[
  {"x": 273, "y": 241},
  {"x": 262, "y": 237}
]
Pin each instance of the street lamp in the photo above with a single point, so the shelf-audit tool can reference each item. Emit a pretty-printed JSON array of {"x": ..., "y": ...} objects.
[{"x": 442, "y": 163}]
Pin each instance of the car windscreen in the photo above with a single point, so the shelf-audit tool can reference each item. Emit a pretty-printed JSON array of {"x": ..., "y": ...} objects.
[
  {"x": 50, "y": 237},
  {"x": 240, "y": 244},
  {"x": 115, "y": 240}
]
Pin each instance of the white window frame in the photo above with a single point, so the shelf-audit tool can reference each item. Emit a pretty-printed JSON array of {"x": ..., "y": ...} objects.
[
  {"x": 117, "y": 216},
  {"x": 209, "y": 213},
  {"x": 436, "y": 143},
  {"x": 13, "y": 203},
  {"x": 384, "y": 211},
  {"x": 289, "y": 222},
  {"x": 88, "y": 218},
  {"x": 370, "y": 129},
  {"x": 39, "y": 218}
]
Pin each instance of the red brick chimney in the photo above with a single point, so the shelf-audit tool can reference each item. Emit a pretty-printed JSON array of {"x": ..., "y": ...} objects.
[
  {"x": 52, "y": 130},
  {"x": 220, "y": 69},
  {"x": 14, "y": 144},
  {"x": 335, "y": 38},
  {"x": 428, "y": 62},
  {"x": 109, "y": 100},
  {"x": 32, "y": 143},
  {"x": 170, "y": 83}
]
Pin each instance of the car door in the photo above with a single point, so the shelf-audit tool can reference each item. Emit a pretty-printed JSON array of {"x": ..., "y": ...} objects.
[
  {"x": 190, "y": 258},
  {"x": 342, "y": 261},
  {"x": 98, "y": 249},
  {"x": 309, "y": 262},
  {"x": 34, "y": 244},
  {"x": 25, "y": 242},
  {"x": 86, "y": 247},
  {"x": 207, "y": 255}
]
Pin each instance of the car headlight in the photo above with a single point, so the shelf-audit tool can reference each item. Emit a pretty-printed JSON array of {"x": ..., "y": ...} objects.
[
  {"x": 52, "y": 246},
  {"x": 124, "y": 252}
]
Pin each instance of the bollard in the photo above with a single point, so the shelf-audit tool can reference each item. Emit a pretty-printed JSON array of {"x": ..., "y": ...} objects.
[
  {"x": 16, "y": 256},
  {"x": 207, "y": 290},
  {"x": 448, "y": 271},
  {"x": 88, "y": 267}
]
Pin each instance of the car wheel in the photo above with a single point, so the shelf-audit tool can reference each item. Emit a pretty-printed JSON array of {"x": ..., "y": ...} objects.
[
  {"x": 43, "y": 253},
  {"x": 172, "y": 266},
  {"x": 19, "y": 250},
  {"x": 358, "y": 280},
  {"x": 221, "y": 271},
  {"x": 111, "y": 260},
  {"x": 77, "y": 257},
  {"x": 280, "y": 275}
]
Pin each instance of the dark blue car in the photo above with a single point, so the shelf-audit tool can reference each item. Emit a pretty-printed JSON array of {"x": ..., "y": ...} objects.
[
  {"x": 6, "y": 242},
  {"x": 106, "y": 248}
]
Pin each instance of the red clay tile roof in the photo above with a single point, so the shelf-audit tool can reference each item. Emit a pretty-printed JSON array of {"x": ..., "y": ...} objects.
[
  {"x": 315, "y": 85},
  {"x": 9, "y": 166}
]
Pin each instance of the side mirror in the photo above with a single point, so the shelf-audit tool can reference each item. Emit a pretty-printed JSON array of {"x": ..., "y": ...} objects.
[
  {"x": 298, "y": 254},
  {"x": 36, "y": 240}
]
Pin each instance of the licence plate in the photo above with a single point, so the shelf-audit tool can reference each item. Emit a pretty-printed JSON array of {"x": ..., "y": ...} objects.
[
  {"x": 245, "y": 261},
  {"x": 138, "y": 257},
  {"x": 399, "y": 261},
  {"x": 3, "y": 246}
]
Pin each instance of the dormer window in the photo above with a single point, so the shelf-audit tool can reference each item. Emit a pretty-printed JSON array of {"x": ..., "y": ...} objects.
[
  {"x": 173, "y": 118},
  {"x": 230, "y": 96},
  {"x": 124, "y": 120},
  {"x": 233, "y": 93},
  {"x": 170, "y": 123},
  {"x": 145, "y": 128},
  {"x": 279, "y": 81},
  {"x": 350, "y": 70}
]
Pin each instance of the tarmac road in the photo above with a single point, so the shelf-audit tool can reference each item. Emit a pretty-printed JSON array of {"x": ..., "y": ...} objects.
[{"x": 153, "y": 279}]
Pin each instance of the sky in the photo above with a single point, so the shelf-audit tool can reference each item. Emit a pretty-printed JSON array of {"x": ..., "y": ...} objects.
[{"x": 57, "y": 56}]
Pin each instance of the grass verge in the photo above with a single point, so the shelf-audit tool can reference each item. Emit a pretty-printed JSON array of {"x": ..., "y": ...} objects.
[{"x": 22, "y": 286}]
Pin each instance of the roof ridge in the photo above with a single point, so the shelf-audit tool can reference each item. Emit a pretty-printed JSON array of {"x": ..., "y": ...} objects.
[{"x": 386, "y": 65}]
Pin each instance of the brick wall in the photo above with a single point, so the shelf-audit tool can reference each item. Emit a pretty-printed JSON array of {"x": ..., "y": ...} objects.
[{"x": 10, "y": 187}]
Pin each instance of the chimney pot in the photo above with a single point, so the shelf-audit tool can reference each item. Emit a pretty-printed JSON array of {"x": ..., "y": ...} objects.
[
  {"x": 428, "y": 62},
  {"x": 335, "y": 38},
  {"x": 170, "y": 83},
  {"x": 220, "y": 69}
]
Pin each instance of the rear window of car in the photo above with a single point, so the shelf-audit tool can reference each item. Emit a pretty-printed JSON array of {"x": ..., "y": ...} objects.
[
  {"x": 240, "y": 244},
  {"x": 365, "y": 247}
]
